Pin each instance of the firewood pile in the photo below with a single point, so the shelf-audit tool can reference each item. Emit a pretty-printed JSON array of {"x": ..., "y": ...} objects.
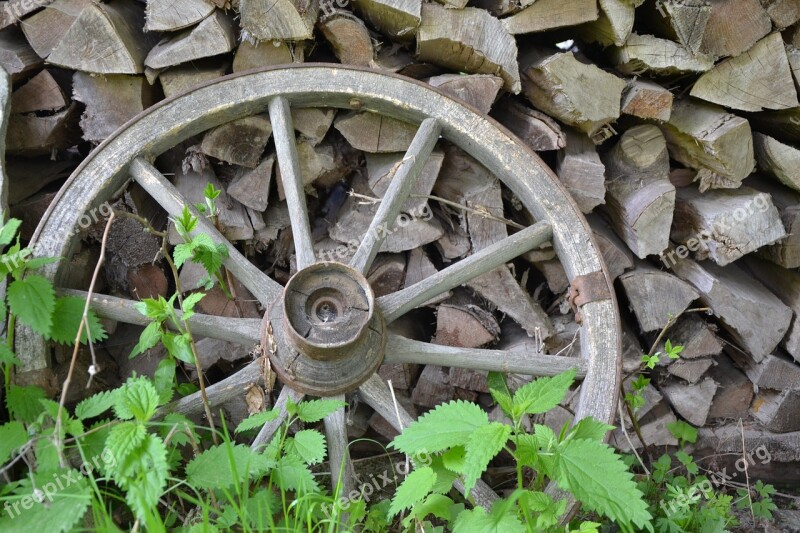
[{"x": 671, "y": 123}]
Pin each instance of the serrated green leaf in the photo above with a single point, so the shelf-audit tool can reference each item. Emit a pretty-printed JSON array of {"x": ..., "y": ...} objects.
[
  {"x": 23, "y": 403},
  {"x": 308, "y": 445},
  {"x": 150, "y": 336},
  {"x": 179, "y": 346},
  {"x": 145, "y": 482},
  {"x": 39, "y": 262},
  {"x": 156, "y": 308},
  {"x": 541, "y": 395},
  {"x": 9, "y": 231},
  {"x": 500, "y": 392},
  {"x": 67, "y": 319},
  {"x": 137, "y": 398},
  {"x": 56, "y": 511},
  {"x": 445, "y": 426},
  {"x": 413, "y": 489},
  {"x": 484, "y": 443},
  {"x": 12, "y": 436},
  {"x": 453, "y": 459},
  {"x": 190, "y": 301},
  {"x": 7, "y": 357},
  {"x": 600, "y": 480},
  {"x": 589, "y": 428},
  {"x": 444, "y": 478},
  {"x": 33, "y": 300},
  {"x": 257, "y": 420},
  {"x": 182, "y": 253},
  {"x": 479, "y": 521},
  {"x": 292, "y": 474},
  {"x": 315, "y": 410},
  {"x": 222, "y": 466},
  {"x": 437, "y": 505},
  {"x": 122, "y": 440},
  {"x": 96, "y": 405},
  {"x": 682, "y": 431}
]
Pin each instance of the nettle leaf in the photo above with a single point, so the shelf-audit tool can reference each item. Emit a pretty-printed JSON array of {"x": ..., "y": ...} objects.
[
  {"x": 308, "y": 445},
  {"x": 56, "y": 511},
  {"x": 453, "y": 459},
  {"x": 413, "y": 489},
  {"x": 145, "y": 484},
  {"x": 543, "y": 394},
  {"x": 437, "y": 505},
  {"x": 225, "y": 465},
  {"x": 12, "y": 436},
  {"x": 164, "y": 380},
  {"x": 478, "y": 520},
  {"x": 316, "y": 410},
  {"x": 600, "y": 480},
  {"x": 96, "y": 405},
  {"x": 257, "y": 420},
  {"x": 137, "y": 398},
  {"x": 484, "y": 443},
  {"x": 23, "y": 403},
  {"x": 7, "y": 357},
  {"x": 447, "y": 425},
  {"x": 500, "y": 392},
  {"x": 122, "y": 440},
  {"x": 67, "y": 319},
  {"x": 292, "y": 474},
  {"x": 589, "y": 428},
  {"x": 33, "y": 300},
  {"x": 150, "y": 336}
]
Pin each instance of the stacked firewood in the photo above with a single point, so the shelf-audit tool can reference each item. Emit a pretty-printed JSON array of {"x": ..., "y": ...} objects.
[{"x": 671, "y": 123}]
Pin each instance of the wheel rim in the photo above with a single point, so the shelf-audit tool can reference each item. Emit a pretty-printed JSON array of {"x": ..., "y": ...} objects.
[{"x": 106, "y": 171}]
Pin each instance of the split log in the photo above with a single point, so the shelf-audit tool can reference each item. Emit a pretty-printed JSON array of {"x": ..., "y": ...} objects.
[
  {"x": 249, "y": 55},
  {"x": 717, "y": 144},
  {"x": 467, "y": 379},
  {"x": 785, "y": 284},
  {"x": 692, "y": 402},
  {"x": 16, "y": 56},
  {"x": 313, "y": 123},
  {"x": 534, "y": 128},
  {"x": 214, "y": 36},
  {"x": 251, "y": 187},
  {"x": 270, "y": 20},
  {"x": 734, "y": 27},
  {"x": 31, "y": 135},
  {"x": 399, "y": 19},
  {"x": 696, "y": 337},
  {"x": 785, "y": 252},
  {"x": 783, "y": 13},
  {"x": 13, "y": 10},
  {"x": 544, "y": 15},
  {"x": 690, "y": 370},
  {"x": 754, "y": 317},
  {"x": 105, "y": 39},
  {"x": 778, "y": 159},
  {"x": 662, "y": 57},
  {"x": 387, "y": 274},
  {"x": 239, "y": 142},
  {"x": 641, "y": 198},
  {"x": 759, "y": 79},
  {"x": 454, "y": 242},
  {"x": 47, "y": 28},
  {"x": 680, "y": 20},
  {"x": 478, "y": 90},
  {"x": 374, "y": 133},
  {"x": 323, "y": 165},
  {"x": 146, "y": 281},
  {"x": 773, "y": 448},
  {"x": 775, "y": 371},
  {"x": 581, "y": 171},
  {"x": 27, "y": 176},
  {"x": 655, "y": 297},
  {"x": 734, "y": 392},
  {"x": 468, "y": 40},
  {"x": 616, "y": 255},
  {"x": 172, "y": 15},
  {"x": 349, "y": 38},
  {"x": 401, "y": 375},
  {"x": 724, "y": 225},
  {"x": 40, "y": 93},
  {"x": 464, "y": 324},
  {"x": 645, "y": 99},
  {"x": 110, "y": 102},
  {"x": 381, "y": 170},
  {"x": 433, "y": 387},
  {"x": 652, "y": 398},
  {"x": 420, "y": 267},
  {"x": 557, "y": 83},
  {"x": 554, "y": 275},
  {"x": 654, "y": 430},
  {"x": 385, "y": 428},
  {"x": 777, "y": 411},
  {"x": 614, "y": 24},
  {"x": 179, "y": 79}
]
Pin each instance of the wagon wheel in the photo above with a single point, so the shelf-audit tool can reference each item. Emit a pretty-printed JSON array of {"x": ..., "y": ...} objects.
[{"x": 329, "y": 332}]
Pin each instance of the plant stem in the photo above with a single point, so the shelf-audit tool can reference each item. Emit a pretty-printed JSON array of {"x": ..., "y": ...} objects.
[{"x": 9, "y": 367}]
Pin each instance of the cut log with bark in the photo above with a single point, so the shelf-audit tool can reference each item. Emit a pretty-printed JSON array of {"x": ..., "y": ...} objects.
[
  {"x": 40, "y": 93},
  {"x": 105, "y": 39},
  {"x": 776, "y": 371},
  {"x": 478, "y": 90},
  {"x": 465, "y": 324},
  {"x": 783, "y": 13},
  {"x": 617, "y": 257},
  {"x": 655, "y": 297},
  {"x": 724, "y": 225},
  {"x": 760, "y": 79},
  {"x": 717, "y": 144},
  {"x": 110, "y": 102},
  {"x": 734, "y": 391},
  {"x": 239, "y": 142},
  {"x": 778, "y": 159},
  {"x": 399, "y": 19},
  {"x": 349, "y": 39},
  {"x": 581, "y": 171},
  {"x": 179, "y": 79},
  {"x": 556, "y": 84},
  {"x": 734, "y": 27},
  {"x": 468, "y": 40},
  {"x": 251, "y": 187},
  {"x": 755, "y": 318},
  {"x": 215, "y": 35},
  {"x": 45, "y": 29},
  {"x": 31, "y": 135},
  {"x": 534, "y": 128},
  {"x": 270, "y": 20},
  {"x": 640, "y": 198},
  {"x": 266, "y": 54},
  {"x": 614, "y": 24},
  {"x": 381, "y": 169},
  {"x": 692, "y": 402},
  {"x": 785, "y": 252},
  {"x": 374, "y": 133},
  {"x": 16, "y": 56},
  {"x": 173, "y": 15},
  {"x": 660, "y": 57},
  {"x": 647, "y": 100},
  {"x": 545, "y": 15}
]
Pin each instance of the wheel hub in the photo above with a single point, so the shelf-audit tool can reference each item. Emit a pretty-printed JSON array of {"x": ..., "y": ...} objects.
[{"x": 325, "y": 335}]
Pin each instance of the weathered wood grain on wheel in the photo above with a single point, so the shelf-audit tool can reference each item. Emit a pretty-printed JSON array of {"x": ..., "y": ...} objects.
[{"x": 5, "y": 109}]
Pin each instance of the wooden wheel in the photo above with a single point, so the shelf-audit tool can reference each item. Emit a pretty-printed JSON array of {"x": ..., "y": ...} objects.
[{"x": 311, "y": 356}]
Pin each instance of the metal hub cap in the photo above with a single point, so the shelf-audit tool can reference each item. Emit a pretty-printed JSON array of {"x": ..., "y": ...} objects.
[{"x": 327, "y": 337}]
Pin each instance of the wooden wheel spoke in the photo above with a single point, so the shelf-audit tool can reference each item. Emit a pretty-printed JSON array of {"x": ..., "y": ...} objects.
[
  {"x": 269, "y": 429},
  {"x": 402, "y": 350},
  {"x": 338, "y": 453},
  {"x": 396, "y": 304},
  {"x": 239, "y": 330},
  {"x": 292, "y": 180},
  {"x": 165, "y": 193},
  {"x": 405, "y": 176},
  {"x": 376, "y": 393}
]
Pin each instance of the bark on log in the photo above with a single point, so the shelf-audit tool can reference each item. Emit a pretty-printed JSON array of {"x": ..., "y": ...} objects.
[{"x": 349, "y": 38}]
